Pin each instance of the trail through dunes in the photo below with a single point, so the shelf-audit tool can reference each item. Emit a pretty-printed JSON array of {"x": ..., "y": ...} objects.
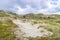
[{"x": 30, "y": 30}]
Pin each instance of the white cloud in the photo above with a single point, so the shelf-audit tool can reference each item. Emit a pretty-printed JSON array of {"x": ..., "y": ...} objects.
[
  {"x": 31, "y": 6},
  {"x": 42, "y": 6},
  {"x": 18, "y": 9}
]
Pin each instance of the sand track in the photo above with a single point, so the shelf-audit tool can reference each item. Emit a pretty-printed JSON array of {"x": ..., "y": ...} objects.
[{"x": 31, "y": 30}]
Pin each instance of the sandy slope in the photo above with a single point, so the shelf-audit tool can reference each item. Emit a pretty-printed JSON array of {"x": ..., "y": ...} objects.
[{"x": 31, "y": 30}]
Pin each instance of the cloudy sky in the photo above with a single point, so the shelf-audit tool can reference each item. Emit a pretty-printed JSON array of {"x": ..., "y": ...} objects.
[{"x": 31, "y": 6}]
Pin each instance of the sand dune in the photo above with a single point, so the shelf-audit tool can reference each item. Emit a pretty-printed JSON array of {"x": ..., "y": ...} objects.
[{"x": 30, "y": 30}]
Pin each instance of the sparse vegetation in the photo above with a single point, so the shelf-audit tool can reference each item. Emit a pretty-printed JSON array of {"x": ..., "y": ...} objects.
[
  {"x": 6, "y": 25},
  {"x": 6, "y": 31}
]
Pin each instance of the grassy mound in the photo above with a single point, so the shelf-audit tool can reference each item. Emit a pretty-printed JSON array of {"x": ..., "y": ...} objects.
[{"x": 6, "y": 29}]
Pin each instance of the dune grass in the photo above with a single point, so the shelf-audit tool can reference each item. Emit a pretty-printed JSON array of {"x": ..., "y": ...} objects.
[
  {"x": 53, "y": 25},
  {"x": 6, "y": 32}
]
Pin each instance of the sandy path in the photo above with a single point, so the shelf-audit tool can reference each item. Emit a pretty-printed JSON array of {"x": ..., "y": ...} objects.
[{"x": 31, "y": 30}]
